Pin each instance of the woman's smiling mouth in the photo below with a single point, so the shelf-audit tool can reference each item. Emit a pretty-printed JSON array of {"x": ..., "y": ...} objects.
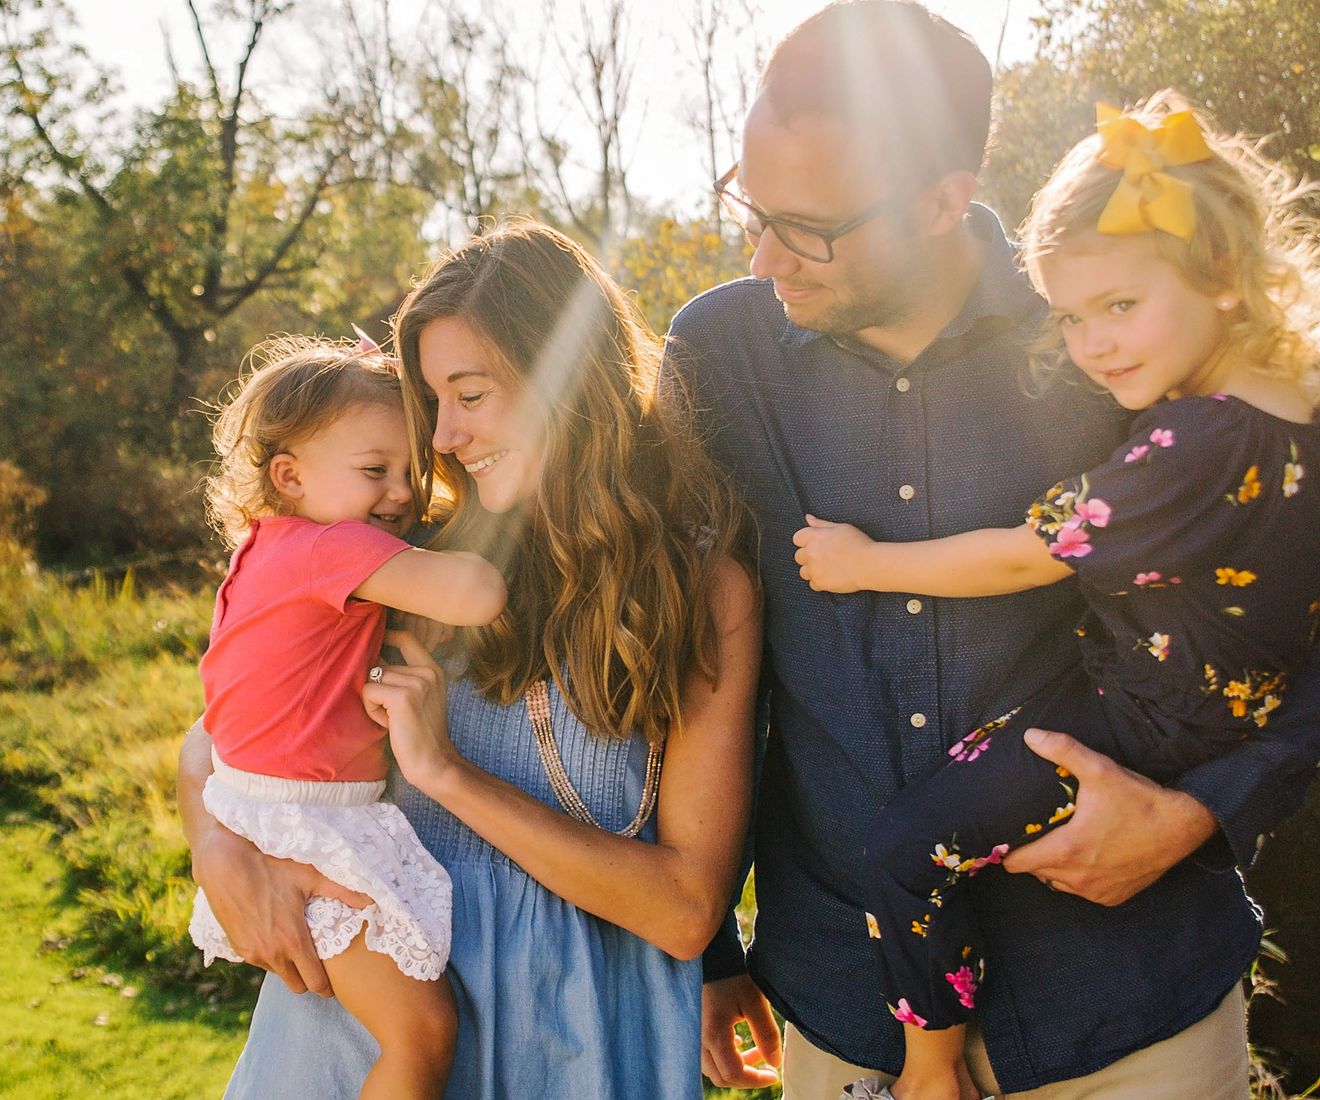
[{"x": 484, "y": 463}]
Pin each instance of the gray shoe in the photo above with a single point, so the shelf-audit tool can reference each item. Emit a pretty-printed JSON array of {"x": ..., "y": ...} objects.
[{"x": 866, "y": 1088}]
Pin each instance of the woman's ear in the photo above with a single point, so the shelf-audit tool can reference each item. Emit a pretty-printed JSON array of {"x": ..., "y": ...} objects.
[
  {"x": 1227, "y": 300},
  {"x": 284, "y": 476}
]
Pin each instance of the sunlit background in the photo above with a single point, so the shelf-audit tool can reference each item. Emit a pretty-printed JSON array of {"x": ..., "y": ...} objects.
[{"x": 661, "y": 158}]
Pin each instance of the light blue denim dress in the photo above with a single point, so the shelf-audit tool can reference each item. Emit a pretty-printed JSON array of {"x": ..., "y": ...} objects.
[{"x": 553, "y": 1003}]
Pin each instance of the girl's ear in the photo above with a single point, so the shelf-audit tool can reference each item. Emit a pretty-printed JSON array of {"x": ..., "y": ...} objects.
[{"x": 284, "y": 476}]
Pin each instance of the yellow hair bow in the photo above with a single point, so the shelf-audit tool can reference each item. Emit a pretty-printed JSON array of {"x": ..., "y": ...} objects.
[{"x": 1147, "y": 198}]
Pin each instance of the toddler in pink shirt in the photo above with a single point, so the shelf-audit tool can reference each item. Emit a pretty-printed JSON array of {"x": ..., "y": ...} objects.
[{"x": 314, "y": 490}]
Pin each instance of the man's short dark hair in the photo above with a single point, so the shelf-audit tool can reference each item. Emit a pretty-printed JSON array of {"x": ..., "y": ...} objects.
[{"x": 914, "y": 88}]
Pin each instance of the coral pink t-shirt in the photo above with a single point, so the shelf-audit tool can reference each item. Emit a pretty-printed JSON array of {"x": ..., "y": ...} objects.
[{"x": 290, "y": 650}]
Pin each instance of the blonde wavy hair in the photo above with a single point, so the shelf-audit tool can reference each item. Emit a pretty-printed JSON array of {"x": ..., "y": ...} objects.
[
  {"x": 1251, "y": 238},
  {"x": 611, "y": 564},
  {"x": 290, "y": 388}
]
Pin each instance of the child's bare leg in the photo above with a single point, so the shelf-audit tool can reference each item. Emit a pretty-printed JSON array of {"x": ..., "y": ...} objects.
[
  {"x": 934, "y": 1068},
  {"x": 414, "y": 1022}
]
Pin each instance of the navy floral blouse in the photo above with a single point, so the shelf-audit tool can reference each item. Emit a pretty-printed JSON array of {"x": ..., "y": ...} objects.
[{"x": 1197, "y": 548}]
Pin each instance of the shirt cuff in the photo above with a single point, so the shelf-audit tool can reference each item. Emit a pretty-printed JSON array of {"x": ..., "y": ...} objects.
[
  {"x": 724, "y": 958},
  {"x": 1246, "y": 806}
]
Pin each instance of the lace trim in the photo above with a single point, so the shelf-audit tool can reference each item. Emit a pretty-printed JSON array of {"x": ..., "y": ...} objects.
[{"x": 538, "y": 714}]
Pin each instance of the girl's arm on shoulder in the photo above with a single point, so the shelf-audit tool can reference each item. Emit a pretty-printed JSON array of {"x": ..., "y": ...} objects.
[
  {"x": 673, "y": 893},
  {"x": 450, "y": 586},
  {"x": 994, "y": 561}
]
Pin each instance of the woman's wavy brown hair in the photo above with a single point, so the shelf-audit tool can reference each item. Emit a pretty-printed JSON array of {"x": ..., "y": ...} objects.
[
  {"x": 290, "y": 388},
  {"x": 611, "y": 565},
  {"x": 1251, "y": 238}
]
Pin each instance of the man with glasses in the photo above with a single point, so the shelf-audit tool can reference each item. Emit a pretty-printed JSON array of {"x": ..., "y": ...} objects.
[{"x": 872, "y": 371}]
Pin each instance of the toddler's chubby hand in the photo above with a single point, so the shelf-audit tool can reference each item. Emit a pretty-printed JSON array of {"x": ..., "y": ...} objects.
[{"x": 830, "y": 555}]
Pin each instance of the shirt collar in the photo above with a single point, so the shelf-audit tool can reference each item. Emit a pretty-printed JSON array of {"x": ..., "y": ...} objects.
[{"x": 1000, "y": 291}]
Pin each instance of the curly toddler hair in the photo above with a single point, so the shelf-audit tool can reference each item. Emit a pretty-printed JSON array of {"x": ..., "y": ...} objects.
[{"x": 291, "y": 387}]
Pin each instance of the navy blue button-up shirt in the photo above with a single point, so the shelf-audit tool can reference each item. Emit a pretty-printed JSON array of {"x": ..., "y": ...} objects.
[{"x": 867, "y": 691}]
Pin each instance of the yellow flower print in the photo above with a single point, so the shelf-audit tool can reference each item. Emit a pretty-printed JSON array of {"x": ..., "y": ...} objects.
[
  {"x": 1158, "y": 646},
  {"x": 1261, "y": 714},
  {"x": 919, "y": 927},
  {"x": 1237, "y": 693},
  {"x": 1034, "y": 827},
  {"x": 1238, "y": 578},
  {"x": 872, "y": 927},
  {"x": 1292, "y": 472},
  {"x": 1249, "y": 490},
  {"x": 946, "y": 858},
  {"x": 1062, "y": 813}
]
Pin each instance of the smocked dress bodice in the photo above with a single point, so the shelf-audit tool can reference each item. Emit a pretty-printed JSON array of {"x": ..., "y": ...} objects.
[{"x": 553, "y": 1002}]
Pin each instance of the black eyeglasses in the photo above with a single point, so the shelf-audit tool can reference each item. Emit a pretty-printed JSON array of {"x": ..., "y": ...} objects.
[{"x": 806, "y": 241}]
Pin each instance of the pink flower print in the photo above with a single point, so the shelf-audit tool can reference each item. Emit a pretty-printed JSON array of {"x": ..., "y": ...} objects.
[
  {"x": 995, "y": 855},
  {"x": 1072, "y": 542},
  {"x": 1162, "y": 437},
  {"x": 904, "y": 1014},
  {"x": 1141, "y": 450},
  {"x": 964, "y": 985},
  {"x": 1147, "y": 578},
  {"x": 1094, "y": 511},
  {"x": 964, "y": 755}
]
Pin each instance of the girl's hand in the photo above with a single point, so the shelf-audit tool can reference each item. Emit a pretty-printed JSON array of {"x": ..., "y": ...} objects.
[
  {"x": 410, "y": 701},
  {"x": 831, "y": 555}
]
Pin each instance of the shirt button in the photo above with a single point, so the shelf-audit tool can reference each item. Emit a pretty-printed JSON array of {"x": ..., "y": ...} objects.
[
  {"x": 914, "y": 607},
  {"x": 903, "y": 385},
  {"x": 906, "y": 492},
  {"x": 918, "y": 720}
]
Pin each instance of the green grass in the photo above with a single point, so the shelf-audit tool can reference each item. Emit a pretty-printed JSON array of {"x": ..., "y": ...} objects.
[
  {"x": 97, "y": 685},
  {"x": 70, "y": 1028}
]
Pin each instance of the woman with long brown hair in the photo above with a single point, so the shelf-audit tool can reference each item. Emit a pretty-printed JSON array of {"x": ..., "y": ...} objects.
[{"x": 583, "y": 767}]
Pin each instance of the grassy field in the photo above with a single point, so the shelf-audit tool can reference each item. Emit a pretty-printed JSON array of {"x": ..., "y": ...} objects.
[
  {"x": 104, "y": 994},
  {"x": 71, "y": 1028}
]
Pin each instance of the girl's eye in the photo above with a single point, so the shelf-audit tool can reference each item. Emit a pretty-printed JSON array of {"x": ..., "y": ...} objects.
[
  {"x": 374, "y": 471},
  {"x": 1122, "y": 305},
  {"x": 1068, "y": 320}
]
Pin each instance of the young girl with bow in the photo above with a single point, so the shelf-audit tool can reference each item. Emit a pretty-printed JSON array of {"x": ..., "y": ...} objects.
[{"x": 1178, "y": 280}]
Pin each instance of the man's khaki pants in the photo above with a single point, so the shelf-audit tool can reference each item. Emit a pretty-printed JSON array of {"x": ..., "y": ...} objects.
[{"x": 1207, "y": 1061}]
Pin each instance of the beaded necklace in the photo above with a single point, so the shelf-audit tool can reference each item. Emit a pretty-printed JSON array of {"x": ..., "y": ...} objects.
[{"x": 538, "y": 713}]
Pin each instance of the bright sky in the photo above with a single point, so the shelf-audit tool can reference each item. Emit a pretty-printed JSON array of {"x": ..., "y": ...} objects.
[{"x": 129, "y": 37}]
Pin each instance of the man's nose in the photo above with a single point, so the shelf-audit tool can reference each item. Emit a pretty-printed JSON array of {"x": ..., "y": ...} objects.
[{"x": 772, "y": 259}]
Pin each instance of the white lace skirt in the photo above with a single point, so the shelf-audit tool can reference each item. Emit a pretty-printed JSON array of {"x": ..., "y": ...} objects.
[{"x": 354, "y": 839}]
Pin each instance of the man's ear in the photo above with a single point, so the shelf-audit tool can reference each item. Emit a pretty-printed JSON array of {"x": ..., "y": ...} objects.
[
  {"x": 284, "y": 476},
  {"x": 944, "y": 202}
]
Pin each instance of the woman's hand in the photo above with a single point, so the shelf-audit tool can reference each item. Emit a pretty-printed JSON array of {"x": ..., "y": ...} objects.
[
  {"x": 260, "y": 902},
  {"x": 410, "y": 701},
  {"x": 430, "y": 633}
]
